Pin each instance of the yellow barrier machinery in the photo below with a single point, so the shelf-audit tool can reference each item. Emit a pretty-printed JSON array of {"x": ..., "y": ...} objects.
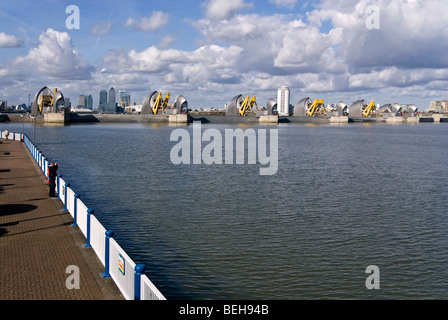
[
  {"x": 316, "y": 107},
  {"x": 160, "y": 104},
  {"x": 155, "y": 107},
  {"x": 369, "y": 109},
  {"x": 248, "y": 105},
  {"x": 156, "y": 104},
  {"x": 361, "y": 109},
  {"x": 46, "y": 100},
  {"x": 165, "y": 101}
]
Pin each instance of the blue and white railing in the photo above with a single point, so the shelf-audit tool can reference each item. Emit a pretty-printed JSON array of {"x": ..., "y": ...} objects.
[{"x": 127, "y": 275}]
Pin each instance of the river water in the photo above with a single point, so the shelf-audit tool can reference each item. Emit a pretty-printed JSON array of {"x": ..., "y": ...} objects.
[{"x": 344, "y": 197}]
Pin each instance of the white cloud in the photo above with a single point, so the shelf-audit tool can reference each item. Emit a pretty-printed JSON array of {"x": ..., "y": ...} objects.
[
  {"x": 197, "y": 74},
  {"x": 301, "y": 46},
  {"x": 56, "y": 57},
  {"x": 393, "y": 76},
  {"x": 9, "y": 41},
  {"x": 205, "y": 64},
  {"x": 412, "y": 34},
  {"x": 152, "y": 60},
  {"x": 260, "y": 37},
  {"x": 213, "y": 64},
  {"x": 156, "y": 21},
  {"x": 224, "y": 9}
]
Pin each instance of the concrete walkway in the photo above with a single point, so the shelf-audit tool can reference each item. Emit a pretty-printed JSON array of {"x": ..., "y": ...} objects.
[{"x": 37, "y": 241}]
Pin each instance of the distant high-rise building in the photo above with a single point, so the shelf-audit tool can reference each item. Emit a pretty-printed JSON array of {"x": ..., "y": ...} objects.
[
  {"x": 67, "y": 102},
  {"x": 283, "y": 101},
  {"x": 112, "y": 95},
  {"x": 103, "y": 98},
  {"x": 82, "y": 101},
  {"x": 89, "y": 104}
]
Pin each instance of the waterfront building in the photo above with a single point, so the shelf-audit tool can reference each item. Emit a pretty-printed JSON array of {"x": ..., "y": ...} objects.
[{"x": 283, "y": 96}]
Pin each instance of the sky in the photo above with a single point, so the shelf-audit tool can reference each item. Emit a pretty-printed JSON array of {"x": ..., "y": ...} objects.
[{"x": 212, "y": 50}]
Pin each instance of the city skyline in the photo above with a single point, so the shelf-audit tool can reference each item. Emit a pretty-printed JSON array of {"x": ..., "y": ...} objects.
[{"x": 212, "y": 50}]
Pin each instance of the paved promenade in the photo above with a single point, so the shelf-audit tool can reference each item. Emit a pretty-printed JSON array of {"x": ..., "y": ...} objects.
[{"x": 37, "y": 241}]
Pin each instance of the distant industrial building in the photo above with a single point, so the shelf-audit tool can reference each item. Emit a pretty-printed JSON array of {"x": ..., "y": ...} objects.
[
  {"x": 283, "y": 97},
  {"x": 439, "y": 106}
]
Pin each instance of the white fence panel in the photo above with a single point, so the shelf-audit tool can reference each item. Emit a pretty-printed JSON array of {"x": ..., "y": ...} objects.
[
  {"x": 149, "y": 290},
  {"x": 45, "y": 169},
  {"x": 11, "y": 136},
  {"x": 70, "y": 201},
  {"x": 81, "y": 216},
  {"x": 98, "y": 238},
  {"x": 121, "y": 269},
  {"x": 62, "y": 190}
]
